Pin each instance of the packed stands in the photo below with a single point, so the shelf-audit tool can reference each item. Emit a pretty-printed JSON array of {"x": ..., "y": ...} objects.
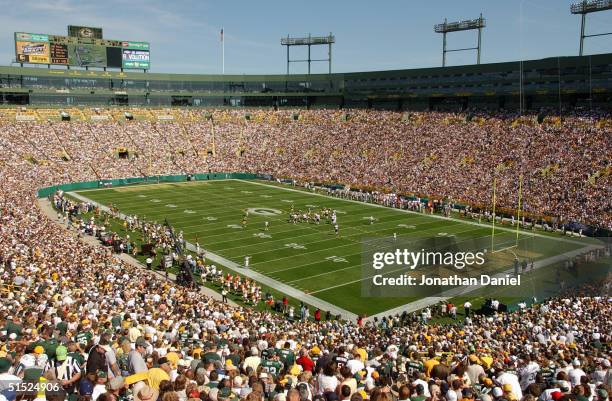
[{"x": 97, "y": 328}]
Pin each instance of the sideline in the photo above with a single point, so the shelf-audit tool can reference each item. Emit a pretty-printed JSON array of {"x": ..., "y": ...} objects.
[
  {"x": 277, "y": 285},
  {"x": 326, "y": 306},
  {"x": 51, "y": 213}
]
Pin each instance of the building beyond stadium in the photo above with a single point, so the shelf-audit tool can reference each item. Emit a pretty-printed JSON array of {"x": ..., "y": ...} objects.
[{"x": 560, "y": 82}]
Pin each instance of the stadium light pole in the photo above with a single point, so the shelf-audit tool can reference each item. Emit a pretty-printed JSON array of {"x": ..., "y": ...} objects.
[
  {"x": 310, "y": 41},
  {"x": 466, "y": 25},
  {"x": 585, "y": 7}
]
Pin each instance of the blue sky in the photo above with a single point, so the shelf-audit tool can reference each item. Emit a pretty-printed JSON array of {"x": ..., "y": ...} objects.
[{"x": 370, "y": 35}]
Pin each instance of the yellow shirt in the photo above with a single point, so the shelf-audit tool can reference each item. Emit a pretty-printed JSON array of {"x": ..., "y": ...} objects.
[
  {"x": 429, "y": 364},
  {"x": 155, "y": 376},
  {"x": 362, "y": 353}
]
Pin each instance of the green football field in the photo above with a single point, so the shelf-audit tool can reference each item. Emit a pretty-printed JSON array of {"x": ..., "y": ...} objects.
[{"x": 308, "y": 257}]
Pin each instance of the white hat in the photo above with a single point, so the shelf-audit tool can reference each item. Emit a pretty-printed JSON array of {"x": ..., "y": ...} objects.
[{"x": 451, "y": 395}]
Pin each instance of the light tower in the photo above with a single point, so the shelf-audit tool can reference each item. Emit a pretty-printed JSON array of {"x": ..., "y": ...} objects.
[
  {"x": 585, "y": 7},
  {"x": 447, "y": 27},
  {"x": 309, "y": 41}
]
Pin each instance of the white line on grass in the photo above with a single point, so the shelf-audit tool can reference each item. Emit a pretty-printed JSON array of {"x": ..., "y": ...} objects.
[
  {"x": 258, "y": 277},
  {"x": 417, "y": 213}
]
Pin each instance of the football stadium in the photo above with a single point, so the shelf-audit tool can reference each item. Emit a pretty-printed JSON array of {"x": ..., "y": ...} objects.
[{"x": 438, "y": 233}]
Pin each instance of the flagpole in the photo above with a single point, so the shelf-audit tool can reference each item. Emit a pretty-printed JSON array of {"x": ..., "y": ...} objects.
[{"x": 223, "y": 51}]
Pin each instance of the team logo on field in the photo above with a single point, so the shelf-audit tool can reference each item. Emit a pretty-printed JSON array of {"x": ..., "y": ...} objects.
[{"x": 263, "y": 211}]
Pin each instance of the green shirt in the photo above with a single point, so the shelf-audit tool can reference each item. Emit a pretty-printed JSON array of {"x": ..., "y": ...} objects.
[
  {"x": 211, "y": 357},
  {"x": 287, "y": 357},
  {"x": 62, "y": 327},
  {"x": 272, "y": 366},
  {"x": 77, "y": 357},
  {"x": 12, "y": 327},
  {"x": 414, "y": 366},
  {"x": 50, "y": 345},
  {"x": 84, "y": 337},
  {"x": 116, "y": 321}
]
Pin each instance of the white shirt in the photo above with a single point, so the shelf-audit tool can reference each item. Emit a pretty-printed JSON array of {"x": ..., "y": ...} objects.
[
  {"x": 355, "y": 365},
  {"x": 327, "y": 383},
  {"x": 513, "y": 381},
  {"x": 97, "y": 390},
  {"x": 575, "y": 375}
]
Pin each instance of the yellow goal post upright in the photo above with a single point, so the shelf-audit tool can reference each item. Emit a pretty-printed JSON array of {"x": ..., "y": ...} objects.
[
  {"x": 518, "y": 214},
  {"x": 518, "y": 209}
]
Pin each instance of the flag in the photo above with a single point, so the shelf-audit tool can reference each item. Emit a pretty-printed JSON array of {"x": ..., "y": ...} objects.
[{"x": 221, "y": 34}]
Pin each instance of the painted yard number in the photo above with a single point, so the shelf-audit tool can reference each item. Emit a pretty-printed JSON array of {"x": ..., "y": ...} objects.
[
  {"x": 336, "y": 259},
  {"x": 236, "y": 226},
  {"x": 294, "y": 245},
  {"x": 445, "y": 235},
  {"x": 406, "y": 225}
]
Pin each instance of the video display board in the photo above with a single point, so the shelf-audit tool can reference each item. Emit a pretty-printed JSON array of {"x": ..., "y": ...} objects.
[
  {"x": 84, "y": 31},
  {"x": 80, "y": 51}
]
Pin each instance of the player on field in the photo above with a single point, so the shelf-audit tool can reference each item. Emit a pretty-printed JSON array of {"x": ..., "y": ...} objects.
[
  {"x": 372, "y": 219},
  {"x": 246, "y": 262},
  {"x": 266, "y": 225},
  {"x": 336, "y": 229}
]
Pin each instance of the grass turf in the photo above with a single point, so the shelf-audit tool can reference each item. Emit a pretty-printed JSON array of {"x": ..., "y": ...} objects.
[{"x": 306, "y": 256}]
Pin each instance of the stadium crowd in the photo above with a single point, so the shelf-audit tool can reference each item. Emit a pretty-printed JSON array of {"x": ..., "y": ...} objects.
[
  {"x": 76, "y": 316},
  {"x": 565, "y": 167}
]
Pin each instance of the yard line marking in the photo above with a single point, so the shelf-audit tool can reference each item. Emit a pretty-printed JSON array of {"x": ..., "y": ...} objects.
[
  {"x": 434, "y": 216},
  {"x": 336, "y": 247},
  {"x": 277, "y": 233},
  {"x": 366, "y": 278},
  {"x": 355, "y": 265}
]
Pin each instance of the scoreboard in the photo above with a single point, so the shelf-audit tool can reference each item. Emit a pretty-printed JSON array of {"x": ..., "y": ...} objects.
[{"x": 81, "y": 51}]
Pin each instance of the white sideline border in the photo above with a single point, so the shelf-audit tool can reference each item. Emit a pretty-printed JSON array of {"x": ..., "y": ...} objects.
[{"x": 270, "y": 282}]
